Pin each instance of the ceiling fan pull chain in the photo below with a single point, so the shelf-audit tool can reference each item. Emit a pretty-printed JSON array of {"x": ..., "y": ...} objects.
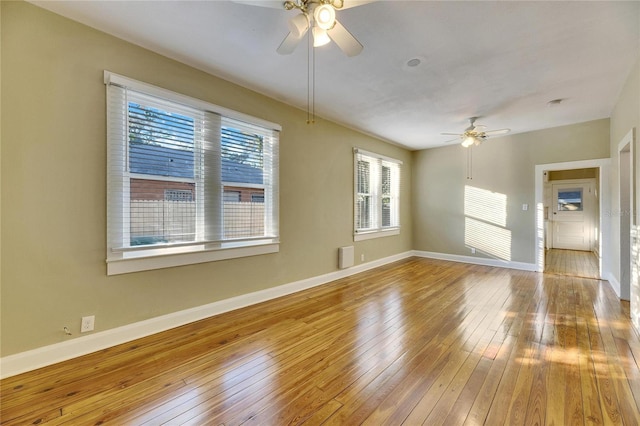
[
  {"x": 313, "y": 86},
  {"x": 311, "y": 82},
  {"x": 310, "y": 70},
  {"x": 469, "y": 163}
]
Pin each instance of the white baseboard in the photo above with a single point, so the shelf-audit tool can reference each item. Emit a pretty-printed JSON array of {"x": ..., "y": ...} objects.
[
  {"x": 47, "y": 355},
  {"x": 477, "y": 260},
  {"x": 613, "y": 282}
]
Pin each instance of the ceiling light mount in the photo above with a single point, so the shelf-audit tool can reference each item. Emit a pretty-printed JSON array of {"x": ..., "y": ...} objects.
[
  {"x": 555, "y": 102},
  {"x": 307, "y": 6}
]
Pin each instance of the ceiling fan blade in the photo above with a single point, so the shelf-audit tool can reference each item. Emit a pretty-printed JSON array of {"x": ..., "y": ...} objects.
[
  {"x": 497, "y": 132},
  {"x": 274, "y": 4},
  {"x": 289, "y": 44},
  {"x": 452, "y": 140},
  {"x": 479, "y": 127},
  {"x": 345, "y": 41},
  {"x": 353, "y": 3},
  {"x": 450, "y": 134}
]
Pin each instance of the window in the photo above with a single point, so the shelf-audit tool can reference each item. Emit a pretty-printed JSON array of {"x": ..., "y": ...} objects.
[
  {"x": 231, "y": 196},
  {"x": 377, "y": 195},
  {"x": 570, "y": 200},
  {"x": 257, "y": 197},
  {"x": 176, "y": 169},
  {"x": 178, "y": 195}
]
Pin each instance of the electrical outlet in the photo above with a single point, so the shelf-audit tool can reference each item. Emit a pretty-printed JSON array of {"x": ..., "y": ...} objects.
[
  {"x": 362, "y": 257},
  {"x": 473, "y": 250},
  {"x": 87, "y": 324}
]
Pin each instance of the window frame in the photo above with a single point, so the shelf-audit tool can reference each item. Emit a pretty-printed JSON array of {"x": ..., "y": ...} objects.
[
  {"x": 133, "y": 259},
  {"x": 375, "y": 193}
]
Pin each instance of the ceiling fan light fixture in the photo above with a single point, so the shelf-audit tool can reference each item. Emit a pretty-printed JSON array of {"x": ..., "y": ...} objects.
[
  {"x": 320, "y": 37},
  {"x": 468, "y": 141},
  {"x": 299, "y": 24},
  {"x": 324, "y": 16}
]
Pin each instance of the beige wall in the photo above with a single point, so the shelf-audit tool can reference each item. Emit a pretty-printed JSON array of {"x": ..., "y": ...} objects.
[
  {"x": 53, "y": 187},
  {"x": 503, "y": 169}
]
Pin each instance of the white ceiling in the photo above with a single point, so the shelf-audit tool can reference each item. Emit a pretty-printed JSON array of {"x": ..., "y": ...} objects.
[{"x": 502, "y": 61}]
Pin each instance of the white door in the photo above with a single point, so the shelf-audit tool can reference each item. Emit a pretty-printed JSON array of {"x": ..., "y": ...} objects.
[{"x": 572, "y": 216}]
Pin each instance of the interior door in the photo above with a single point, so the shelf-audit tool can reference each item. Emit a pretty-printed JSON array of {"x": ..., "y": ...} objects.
[{"x": 572, "y": 213}]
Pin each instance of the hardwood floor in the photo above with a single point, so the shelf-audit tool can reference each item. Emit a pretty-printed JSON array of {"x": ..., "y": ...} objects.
[
  {"x": 416, "y": 342},
  {"x": 572, "y": 262}
]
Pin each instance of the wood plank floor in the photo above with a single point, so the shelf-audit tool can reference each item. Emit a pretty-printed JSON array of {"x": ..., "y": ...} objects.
[
  {"x": 415, "y": 342},
  {"x": 572, "y": 262}
]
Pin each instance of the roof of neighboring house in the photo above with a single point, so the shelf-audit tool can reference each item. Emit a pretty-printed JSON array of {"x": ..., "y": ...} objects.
[
  {"x": 233, "y": 171},
  {"x": 165, "y": 161}
]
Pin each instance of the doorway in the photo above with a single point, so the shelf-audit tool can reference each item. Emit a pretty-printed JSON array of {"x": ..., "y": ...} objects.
[
  {"x": 601, "y": 228},
  {"x": 571, "y": 203}
]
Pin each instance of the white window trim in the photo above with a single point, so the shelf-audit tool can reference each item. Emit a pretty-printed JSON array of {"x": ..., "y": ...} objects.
[
  {"x": 362, "y": 236},
  {"x": 119, "y": 262},
  {"x": 379, "y": 232},
  {"x": 226, "y": 251},
  {"x": 119, "y": 80}
]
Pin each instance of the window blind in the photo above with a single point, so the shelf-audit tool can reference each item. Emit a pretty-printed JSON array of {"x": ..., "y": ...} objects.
[
  {"x": 376, "y": 193},
  {"x": 170, "y": 164}
]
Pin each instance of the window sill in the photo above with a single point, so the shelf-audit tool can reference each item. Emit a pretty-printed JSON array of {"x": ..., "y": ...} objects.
[
  {"x": 145, "y": 261},
  {"x": 375, "y": 234}
]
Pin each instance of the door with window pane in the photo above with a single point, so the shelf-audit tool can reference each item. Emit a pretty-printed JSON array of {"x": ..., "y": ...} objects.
[{"x": 572, "y": 216}]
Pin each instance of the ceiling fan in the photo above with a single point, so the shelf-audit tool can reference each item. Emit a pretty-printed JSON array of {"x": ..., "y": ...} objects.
[
  {"x": 475, "y": 134},
  {"x": 320, "y": 17}
]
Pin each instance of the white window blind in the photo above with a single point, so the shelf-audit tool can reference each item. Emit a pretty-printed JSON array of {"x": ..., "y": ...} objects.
[
  {"x": 376, "y": 193},
  {"x": 171, "y": 160}
]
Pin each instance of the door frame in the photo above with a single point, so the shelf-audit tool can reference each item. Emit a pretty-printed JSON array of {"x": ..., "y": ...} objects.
[
  {"x": 626, "y": 213},
  {"x": 604, "y": 228}
]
